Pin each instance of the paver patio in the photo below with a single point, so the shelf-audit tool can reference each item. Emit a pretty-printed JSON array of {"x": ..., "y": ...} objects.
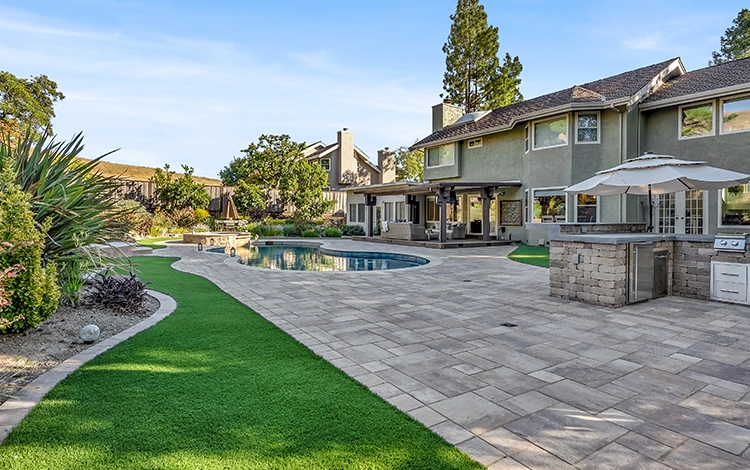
[{"x": 657, "y": 385}]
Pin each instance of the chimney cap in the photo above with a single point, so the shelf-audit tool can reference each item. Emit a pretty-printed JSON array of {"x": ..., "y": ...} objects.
[
  {"x": 448, "y": 101},
  {"x": 346, "y": 129},
  {"x": 386, "y": 149}
]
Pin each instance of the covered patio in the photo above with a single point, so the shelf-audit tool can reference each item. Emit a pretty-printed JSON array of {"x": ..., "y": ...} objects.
[{"x": 445, "y": 193}]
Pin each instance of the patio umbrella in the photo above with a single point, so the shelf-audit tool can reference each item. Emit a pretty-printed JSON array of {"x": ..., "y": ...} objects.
[
  {"x": 229, "y": 211},
  {"x": 657, "y": 174}
]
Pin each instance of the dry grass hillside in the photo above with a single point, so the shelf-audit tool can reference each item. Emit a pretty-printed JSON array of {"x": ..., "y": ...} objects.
[{"x": 142, "y": 173}]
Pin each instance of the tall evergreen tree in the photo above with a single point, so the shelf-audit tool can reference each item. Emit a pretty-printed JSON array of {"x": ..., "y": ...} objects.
[
  {"x": 735, "y": 43},
  {"x": 474, "y": 78}
]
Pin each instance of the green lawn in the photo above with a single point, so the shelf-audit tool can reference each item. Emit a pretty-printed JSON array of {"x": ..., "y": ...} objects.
[
  {"x": 217, "y": 386},
  {"x": 152, "y": 242},
  {"x": 536, "y": 255}
]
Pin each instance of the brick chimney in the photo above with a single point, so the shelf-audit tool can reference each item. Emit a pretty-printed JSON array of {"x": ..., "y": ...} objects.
[
  {"x": 445, "y": 114},
  {"x": 348, "y": 164},
  {"x": 387, "y": 165}
]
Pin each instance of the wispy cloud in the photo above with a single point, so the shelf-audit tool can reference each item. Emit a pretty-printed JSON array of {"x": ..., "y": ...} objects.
[{"x": 642, "y": 41}]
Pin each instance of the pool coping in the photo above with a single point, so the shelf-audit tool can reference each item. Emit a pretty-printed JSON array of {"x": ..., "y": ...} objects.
[{"x": 15, "y": 408}]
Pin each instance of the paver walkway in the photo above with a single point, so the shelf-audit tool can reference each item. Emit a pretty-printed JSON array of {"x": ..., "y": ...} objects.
[{"x": 658, "y": 385}]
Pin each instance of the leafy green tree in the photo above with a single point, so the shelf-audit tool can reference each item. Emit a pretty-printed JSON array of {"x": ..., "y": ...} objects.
[
  {"x": 735, "y": 43},
  {"x": 26, "y": 103},
  {"x": 474, "y": 78},
  {"x": 174, "y": 194},
  {"x": 277, "y": 162},
  {"x": 409, "y": 164}
]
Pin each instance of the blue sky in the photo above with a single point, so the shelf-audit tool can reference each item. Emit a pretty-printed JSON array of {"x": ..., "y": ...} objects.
[{"x": 195, "y": 82}]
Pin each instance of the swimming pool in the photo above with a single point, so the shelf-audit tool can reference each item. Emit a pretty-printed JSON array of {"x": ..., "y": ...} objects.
[{"x": 314, "y": 258}]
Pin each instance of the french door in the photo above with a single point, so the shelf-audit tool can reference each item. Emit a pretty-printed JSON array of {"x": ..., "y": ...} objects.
[{"x": 681, "y": 213}]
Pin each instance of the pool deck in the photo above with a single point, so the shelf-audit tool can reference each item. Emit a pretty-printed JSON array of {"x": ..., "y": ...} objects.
[{"x": 472, "y": 346}]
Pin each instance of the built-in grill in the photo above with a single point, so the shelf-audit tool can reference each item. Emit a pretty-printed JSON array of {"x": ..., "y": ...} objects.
[{"x": 730, "y": 242}]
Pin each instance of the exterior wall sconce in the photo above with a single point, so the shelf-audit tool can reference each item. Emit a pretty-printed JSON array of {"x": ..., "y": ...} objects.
[
  {"x": 200, "y": 246},
  {"x": 232, "y": 252}
]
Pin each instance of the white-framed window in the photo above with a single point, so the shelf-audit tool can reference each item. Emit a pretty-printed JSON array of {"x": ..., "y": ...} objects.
[
  {"x": 433, "y": 210},
  {"x": 388, "y": 211},
  {"x": 696, "y": 120},
  {"x": 352, "y": 212},
  {"x": 441, "y": 156},
  {"x": 356, "y": 212},
  {"x": 360, "y": 212},
  {"x": 734, "y": 206},
  {"x": 735, "y": 115},
  {"x": 527, "y": 139},
  {"x": 400, "y": 211},
  {"x": 526, "y": 206},
  {"x": 549, "y": 205},
  {"x": 325, "y": 163},
  {"x": 550, "y": 133},
  {"x": 587, "y": 128},
  {"x": 587, "y": 208},
  {"x": 474, "y": 143}
]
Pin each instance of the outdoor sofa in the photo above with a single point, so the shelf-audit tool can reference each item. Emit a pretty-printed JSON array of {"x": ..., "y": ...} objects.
[{"x": 404, "y": 231}]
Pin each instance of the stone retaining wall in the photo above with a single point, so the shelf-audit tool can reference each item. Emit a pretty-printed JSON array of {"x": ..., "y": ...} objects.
[{"x": 692, "y": 267}]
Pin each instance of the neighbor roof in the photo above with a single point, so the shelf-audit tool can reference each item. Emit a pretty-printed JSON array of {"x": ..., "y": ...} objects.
[
  {"x": 702, "y": 81},
  {"x": 617, "y": 87}
]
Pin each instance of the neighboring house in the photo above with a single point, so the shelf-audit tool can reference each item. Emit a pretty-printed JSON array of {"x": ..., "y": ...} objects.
[
  {"x": 519, "y": 158},
  {"x": 349, "y": 167}
]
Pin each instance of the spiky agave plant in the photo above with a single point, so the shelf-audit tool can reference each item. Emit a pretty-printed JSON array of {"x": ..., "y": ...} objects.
[{"x": 71, "y": 195}]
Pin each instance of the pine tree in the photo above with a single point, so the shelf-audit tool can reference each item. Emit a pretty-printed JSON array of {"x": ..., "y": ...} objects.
[
  {"x": 735, "y": 43},
  {"x": 474, "y": 78}
]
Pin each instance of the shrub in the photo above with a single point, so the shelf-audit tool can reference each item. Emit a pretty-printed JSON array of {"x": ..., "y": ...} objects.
[
  {"x": 183, "y": 218},
  {"x": 161, "y": 225},
  {"x": 122, "y": 293},
  {"x": 202, "y": 216},
  {"x": 33, "y": 293},
  {"x": 291, "y": 230},
  {"x": 131, "y": 217},
  {"x": 71, "y": 275},
  {"x": 349, "y": 230},
  {"x": 274, "y": 232},
  {"x": 311, "y": 233},
  {"x": 332, "y": 232}
]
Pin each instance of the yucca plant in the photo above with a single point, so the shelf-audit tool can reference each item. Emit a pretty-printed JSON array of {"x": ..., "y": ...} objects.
[{"x": 72, "y": 197}]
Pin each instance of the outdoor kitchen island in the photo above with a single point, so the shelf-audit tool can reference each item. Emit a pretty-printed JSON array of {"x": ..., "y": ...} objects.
[{"x": 616, "y": 269}]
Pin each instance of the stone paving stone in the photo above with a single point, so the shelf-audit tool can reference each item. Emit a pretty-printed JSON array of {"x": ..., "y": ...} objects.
[
  {"x": 693, "y": 455},
  {"x": 493, "y": 394},
  {"x": 534, "y": 457},
  {"x": 709, "y": 430},
  {"x": 365, "y": 353},
  {"x": 481, "y": 451},
  {"x": 729, "y": 373},
  {"x": 546, "y": 376},
  {"x": 449, "y": 345},
  {"x": 427, "y": 395},
  {"x": 661, "y": 384},
  {"x": 421, "y": 362},
  {"x": 616, "y": 457},
  {"x": 508, "y": 463},
  {"x": 405, "y": 402},
  {"x": 509, "y": 380},
  {"x": 583, "y": 373},
  {"x": 719, "y": 408},
  {"x": 712, "y": 352},
  {"x": 400, "y": 380},
  {"x": 449, "y": 382},
  {"x": 559, "y": 430},
  {"x": 528, "y": 403},
  {"x": 581, "y": 396},
  {"x": 506, "y": 441},
  {"x": 642, "y": 444},
  {"x": 551, "y": 354},
  {"x": 427, "y": 416},
  {"x": 729, "y": 393},
  {"x": 512, "y": 359},
  {"x": 451, "y": 432},
  {"x": 473, "y": 412}
]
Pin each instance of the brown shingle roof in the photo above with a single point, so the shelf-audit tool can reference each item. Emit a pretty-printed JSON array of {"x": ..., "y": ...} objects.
[
  {"x": 702, "y": 80},
  {"x": 611, "y": 88}
]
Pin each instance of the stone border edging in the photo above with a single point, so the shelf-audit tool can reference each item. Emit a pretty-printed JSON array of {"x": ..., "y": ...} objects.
[{"x": 15, "y": 408}]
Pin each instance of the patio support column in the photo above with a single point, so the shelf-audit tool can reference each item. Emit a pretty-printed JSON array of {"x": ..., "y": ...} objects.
[
  {"x": 442, "y": 199},
  {"x": 487, "y": 195},
  {"x": 370, "y": 202}
]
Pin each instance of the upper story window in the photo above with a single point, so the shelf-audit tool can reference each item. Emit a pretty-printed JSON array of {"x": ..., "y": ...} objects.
[
  {"x": 475, "y": 143},
  {"x": 441, "y": 156},
  {"x": 696, "y": 120},
  {"x": 735, "y": 115},
  {"x": 325, "y": 163},
  {"x": 550, "y": 133},
  {"x": 526, "y": 139},
  {"x": 587, "y": 128}
]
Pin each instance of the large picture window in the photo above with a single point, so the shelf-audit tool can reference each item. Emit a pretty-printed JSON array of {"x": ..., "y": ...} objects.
[
  {"x": 587, "y": 128},
  {"x": 735, "y": 114},
  {"x": 441, "y": 156},
  {"x": 549, "y": 205},
  {"x": 735, "y": 205},
  {"x": 551, "y": 133},
  {"x": 697, "y": 121}
]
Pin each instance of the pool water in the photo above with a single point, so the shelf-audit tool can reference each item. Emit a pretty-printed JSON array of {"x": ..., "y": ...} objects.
[{"x": 309, "y": 258}]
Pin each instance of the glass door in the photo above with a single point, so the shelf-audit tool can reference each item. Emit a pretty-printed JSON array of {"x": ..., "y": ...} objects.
[
  {"x": 475, "y": 216},
  {"x": 681, "y": 213}
]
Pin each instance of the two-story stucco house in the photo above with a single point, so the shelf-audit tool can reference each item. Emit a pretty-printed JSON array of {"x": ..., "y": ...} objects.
[{"x": 510, "y": 165}]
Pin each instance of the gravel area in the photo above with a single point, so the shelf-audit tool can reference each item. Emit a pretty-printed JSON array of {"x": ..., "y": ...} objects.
[{"x": 25, "y": 356}]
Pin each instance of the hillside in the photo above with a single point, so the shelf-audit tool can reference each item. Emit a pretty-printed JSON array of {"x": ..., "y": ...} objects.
[{"x": 142, "y": 173}]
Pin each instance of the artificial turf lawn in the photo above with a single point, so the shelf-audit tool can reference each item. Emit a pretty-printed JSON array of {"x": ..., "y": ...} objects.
[
  {"x": 536, "y": 255},
  {"x": 153, "y": 242},
  {"x": 215, "y": 385}
]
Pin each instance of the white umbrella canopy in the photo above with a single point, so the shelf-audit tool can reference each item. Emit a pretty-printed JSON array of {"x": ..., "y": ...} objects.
[{"x": 657, "y": 174}]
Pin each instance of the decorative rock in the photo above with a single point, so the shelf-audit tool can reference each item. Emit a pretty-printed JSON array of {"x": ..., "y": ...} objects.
[{"x": 89, "y": 333}]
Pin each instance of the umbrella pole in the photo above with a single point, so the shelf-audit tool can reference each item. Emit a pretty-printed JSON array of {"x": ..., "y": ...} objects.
[{"x": 650, "y": 227}]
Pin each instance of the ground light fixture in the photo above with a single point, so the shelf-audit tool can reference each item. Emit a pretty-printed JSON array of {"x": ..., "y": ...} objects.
[
  {"x": 232, "y": 252},
  {"x": 200, "y": 246},
  {"x": 89, "y": 333}
]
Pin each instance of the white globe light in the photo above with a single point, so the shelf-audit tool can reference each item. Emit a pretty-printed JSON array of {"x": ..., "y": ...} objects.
[{"x": 89, "y": 333}]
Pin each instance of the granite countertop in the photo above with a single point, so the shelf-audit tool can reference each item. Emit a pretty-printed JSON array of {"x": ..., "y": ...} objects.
[{"x": 624, "y": 238}]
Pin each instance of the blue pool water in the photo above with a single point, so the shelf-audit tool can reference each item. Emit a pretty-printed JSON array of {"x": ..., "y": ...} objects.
[{"x": 312, "y": 258}]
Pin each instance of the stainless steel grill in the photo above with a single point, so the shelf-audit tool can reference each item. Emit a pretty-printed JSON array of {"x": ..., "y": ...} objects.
[{"x": 730, "y": 242}]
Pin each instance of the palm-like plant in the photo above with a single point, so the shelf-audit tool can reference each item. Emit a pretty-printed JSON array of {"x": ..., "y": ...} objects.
[{"x": 71, "y": 195}]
